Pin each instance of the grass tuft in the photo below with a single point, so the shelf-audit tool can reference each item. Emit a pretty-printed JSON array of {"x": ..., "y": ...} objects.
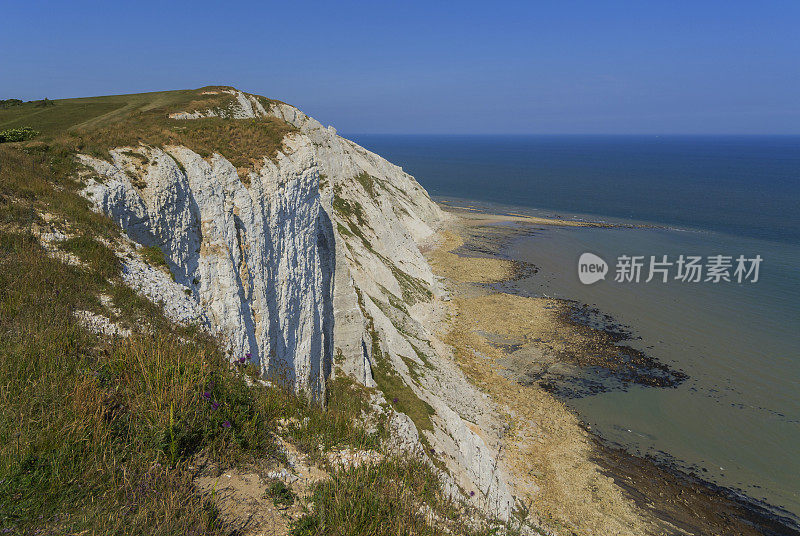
[
  {"x": 100, "y": 257},
  {"x": 394, "y": 496},
  {"x": 281, "y": 494},
  {"x": 154, "y": 256}
]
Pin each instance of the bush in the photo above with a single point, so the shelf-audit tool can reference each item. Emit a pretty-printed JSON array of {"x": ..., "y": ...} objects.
[
  {"x": 8, "y": 103},
  {"x": 17, "y": 134}
]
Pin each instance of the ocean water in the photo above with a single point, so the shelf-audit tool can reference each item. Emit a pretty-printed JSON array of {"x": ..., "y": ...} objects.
[{"x": 736, "y": 419}]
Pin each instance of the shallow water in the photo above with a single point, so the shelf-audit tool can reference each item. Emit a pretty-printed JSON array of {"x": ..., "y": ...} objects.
[{"x": 736, "y": 420}]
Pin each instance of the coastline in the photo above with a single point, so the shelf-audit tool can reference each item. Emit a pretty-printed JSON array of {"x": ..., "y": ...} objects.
[{"x": 565, "y": 473}]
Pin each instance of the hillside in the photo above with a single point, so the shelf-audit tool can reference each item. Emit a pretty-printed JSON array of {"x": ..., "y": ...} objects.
[{"x": 203, "y": 281}]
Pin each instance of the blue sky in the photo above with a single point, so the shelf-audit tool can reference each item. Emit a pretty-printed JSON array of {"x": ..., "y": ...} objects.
[{"x": 429, "y": 67}]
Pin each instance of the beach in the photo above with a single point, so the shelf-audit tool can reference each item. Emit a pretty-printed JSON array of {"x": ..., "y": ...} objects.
[{"x": 527, "y": 353}]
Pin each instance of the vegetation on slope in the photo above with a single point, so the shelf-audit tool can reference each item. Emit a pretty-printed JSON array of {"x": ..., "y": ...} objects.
[
  {"x": 382, "y": 499},
  {"x": 98, "y": 435},
  {"x": 96, "y": 124},
  {"x": 17, "y": 134}
]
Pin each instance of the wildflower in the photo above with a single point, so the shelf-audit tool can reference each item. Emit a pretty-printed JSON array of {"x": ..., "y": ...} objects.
[
  {"x": 242, "y": 360},
  {"x": 214, "y": 404},
  {"x": 248, "y": 355},
  {"x": 394, "y": 401},
  {"x": 207, "y": 395},
  {"x": 226, "y": 424},
  {"x": 433, "y": 451},
  {"x": 471, "y": 493}
]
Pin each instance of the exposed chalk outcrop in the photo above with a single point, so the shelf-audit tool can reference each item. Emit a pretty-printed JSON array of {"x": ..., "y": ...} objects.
[
  {"x": 314, "y": 268},
  {"x": 254, "y": 258}
]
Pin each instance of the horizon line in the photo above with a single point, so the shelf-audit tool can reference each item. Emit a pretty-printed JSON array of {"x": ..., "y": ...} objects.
[{"x": 720, "y": 134}]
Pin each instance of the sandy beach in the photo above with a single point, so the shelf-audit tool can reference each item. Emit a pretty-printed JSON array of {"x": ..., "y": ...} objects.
[{"x": 521, "y": 351}]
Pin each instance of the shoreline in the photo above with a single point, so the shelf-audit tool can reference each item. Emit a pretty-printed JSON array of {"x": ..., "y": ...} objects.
[{"x": 643, "y": 495}]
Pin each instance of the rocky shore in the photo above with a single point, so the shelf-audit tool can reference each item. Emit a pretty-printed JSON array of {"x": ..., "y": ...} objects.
[{"x": 531, "y": 353}]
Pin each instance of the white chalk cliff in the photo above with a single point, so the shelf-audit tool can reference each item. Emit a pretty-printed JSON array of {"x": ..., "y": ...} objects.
[{"x": 312, "y": 266}]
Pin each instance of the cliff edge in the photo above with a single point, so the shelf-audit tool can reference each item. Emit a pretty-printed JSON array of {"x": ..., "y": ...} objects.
[{"x": 304, "y": 256}]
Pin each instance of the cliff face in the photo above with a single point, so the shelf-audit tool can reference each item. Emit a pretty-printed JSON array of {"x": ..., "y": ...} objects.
[
  {"x": 310, "y": 262},
  {"x": 255, "y": 258}
]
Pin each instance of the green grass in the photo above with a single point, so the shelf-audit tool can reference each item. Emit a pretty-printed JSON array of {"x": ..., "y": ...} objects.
[
  {"x": 18, "y": 134},
  {"x": 79, "y": 426},
  {"x": 111, "y": 426},
  {"x": 414, "y": 290},
  {"x": 154, "y": 256},
  {"x": 413, "y": 368},
  {"x": 99, "y": 256},
  {"x": 39, "y": 178},
  {"x": 340, "y": 425},
  {"x": 381, "y": 499},
  {"x": 348, "y": 209},
  {"x": 89, "y": 112},
  {"x": 93, "y": 422},
  {"x": 391, "y": 384},
  {"x": 65, "y": 114},
  {"x": 367, "y": 182},
  {"x": 281, "y": 494}
]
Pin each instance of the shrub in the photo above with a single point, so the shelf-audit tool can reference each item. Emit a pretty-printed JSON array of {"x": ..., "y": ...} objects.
[
  {"x": 8, "y": 103},
  {"x": 281, "y": 494},
  {"x": 17, "y": 134}
]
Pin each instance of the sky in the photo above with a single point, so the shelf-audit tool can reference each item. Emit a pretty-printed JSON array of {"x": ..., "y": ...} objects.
[{"x": 549, "y": 67}]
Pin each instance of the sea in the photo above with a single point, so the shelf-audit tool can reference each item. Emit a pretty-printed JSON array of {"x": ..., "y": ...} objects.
[{"x": 735, "y": 420}]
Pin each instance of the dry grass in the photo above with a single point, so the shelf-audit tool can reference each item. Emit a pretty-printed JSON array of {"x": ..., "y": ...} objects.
[
  {"x": 244, "y": 142},
  {"x": 95, "y": 125},
  {"x": 395, "y": 496}
]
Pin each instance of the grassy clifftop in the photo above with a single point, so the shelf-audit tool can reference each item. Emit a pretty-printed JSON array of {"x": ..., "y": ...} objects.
[
  {"x": 95, "y": 124},
  {"x": 61, "y": 115}
]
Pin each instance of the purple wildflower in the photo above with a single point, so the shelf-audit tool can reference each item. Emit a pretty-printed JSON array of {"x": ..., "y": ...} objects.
[
  {"x": 248, "y": 355},
  {"x": 471, "y": 493},
  {"x": 226, "y": 424},
  {"x": 433, "y": 451},
  {"x": 242, "y": 360},
  {"x": 207, "y": 395},
  {"x": 394, "y": 401},
  {"x": 214, "y": 404}
]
